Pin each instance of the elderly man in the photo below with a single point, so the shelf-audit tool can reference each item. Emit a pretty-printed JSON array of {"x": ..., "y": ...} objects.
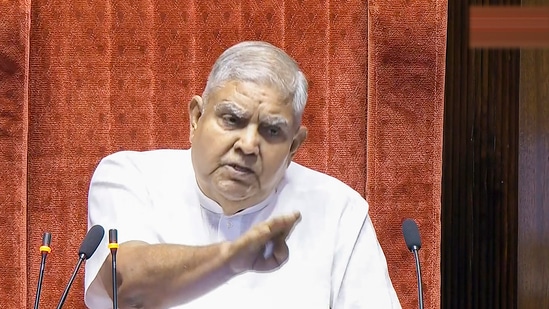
[{"x": 232, "y": 222}]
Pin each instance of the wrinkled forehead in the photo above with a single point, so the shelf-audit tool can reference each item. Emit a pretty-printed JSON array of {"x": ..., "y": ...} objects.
[{"x": 246, "y": 98}]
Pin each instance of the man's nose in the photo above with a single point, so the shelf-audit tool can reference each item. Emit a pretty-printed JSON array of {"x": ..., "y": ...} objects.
[{"x": 248, "y": 141}]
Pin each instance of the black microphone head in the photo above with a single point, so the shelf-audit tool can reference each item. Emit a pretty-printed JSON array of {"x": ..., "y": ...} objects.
[
  {"x": 46, "y": 239},
  {"x": 91, "y": 241},
  {"x": 411, "y": 234},
  {"x": 113, "y": 236}
]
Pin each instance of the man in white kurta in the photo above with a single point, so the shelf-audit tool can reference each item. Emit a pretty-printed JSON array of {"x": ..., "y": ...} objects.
[
  {"x": 233, "y": 222},
  {"x": 335, "y": 259}
]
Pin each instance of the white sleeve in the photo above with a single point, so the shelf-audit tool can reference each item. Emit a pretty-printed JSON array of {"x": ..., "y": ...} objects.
[
  {"x": 360, "y": 268},
  {"x": 117, "y": 199}
]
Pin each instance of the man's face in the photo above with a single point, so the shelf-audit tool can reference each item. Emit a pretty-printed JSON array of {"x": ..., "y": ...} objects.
[{"x": 242, "y": 142}]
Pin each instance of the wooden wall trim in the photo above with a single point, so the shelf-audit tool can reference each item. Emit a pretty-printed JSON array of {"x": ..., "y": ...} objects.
[{"x": 533, "y": 188}]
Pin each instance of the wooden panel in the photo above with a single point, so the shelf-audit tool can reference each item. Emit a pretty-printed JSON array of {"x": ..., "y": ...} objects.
[
  {"x": 533, "y": 188},
  {"x": 533, "y": 202},
  {"x": 479, "y": 189}
]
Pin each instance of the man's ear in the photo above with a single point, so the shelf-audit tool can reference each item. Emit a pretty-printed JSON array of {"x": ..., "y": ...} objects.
[
  {"x": 299, "y": 138},
  {"x": 195, "y": 112}
]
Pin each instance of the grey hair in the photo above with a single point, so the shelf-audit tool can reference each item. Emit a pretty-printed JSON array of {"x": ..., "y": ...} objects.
[{"x": 263, "y": 63}]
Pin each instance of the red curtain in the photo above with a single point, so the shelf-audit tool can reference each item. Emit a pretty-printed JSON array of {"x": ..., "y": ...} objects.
[{"x": 82, "y": 79}]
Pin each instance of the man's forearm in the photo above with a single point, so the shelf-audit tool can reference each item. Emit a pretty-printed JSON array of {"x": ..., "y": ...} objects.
[{"x": 160, "y": 275}]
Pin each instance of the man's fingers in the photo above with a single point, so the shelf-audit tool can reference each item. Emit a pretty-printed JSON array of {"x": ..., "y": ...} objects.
[
  {"x": 275, "y": 254},
  {"x": 275, "y": 227},
  {"x": 264, "y": 246},
  {"x": 283, "y": 223},
  {"x": 275, "y": 251}
]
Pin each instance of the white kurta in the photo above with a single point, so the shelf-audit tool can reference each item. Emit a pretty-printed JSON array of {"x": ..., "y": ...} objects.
[{"x": 335, "y": 259}]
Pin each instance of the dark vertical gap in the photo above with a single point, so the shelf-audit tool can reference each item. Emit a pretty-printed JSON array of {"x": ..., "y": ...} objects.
[
  {"x": 464, "y": 282},
  {"x": 512, "y": 181},
  {"x": 498, "y": 211},
  {"x": 469, "y": 169}
]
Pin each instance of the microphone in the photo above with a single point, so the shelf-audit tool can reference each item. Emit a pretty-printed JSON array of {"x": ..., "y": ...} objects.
[
  {"x": 44, "y": 250},
  {"x": 87, "y": 249},
  {"x": 113, "y": 246},
  {"x": 413, "y": 242}
]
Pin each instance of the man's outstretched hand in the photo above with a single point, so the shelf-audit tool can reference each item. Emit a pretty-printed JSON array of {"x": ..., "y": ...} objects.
[{"x": 251, "y": 251}]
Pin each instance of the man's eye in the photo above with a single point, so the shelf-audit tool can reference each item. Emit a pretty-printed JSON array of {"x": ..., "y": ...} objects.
[
  {"x": 273, "y": 131},
  {"x": 230, "y": 119}
]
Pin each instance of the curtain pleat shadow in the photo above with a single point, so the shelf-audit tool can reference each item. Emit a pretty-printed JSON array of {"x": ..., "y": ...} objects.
[{"x": 14, "y": 76}]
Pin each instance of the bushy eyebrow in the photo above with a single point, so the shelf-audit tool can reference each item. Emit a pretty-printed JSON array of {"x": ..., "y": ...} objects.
[
  {"x": 277, "y": 121},
  {"x": 228, "y": 107}
]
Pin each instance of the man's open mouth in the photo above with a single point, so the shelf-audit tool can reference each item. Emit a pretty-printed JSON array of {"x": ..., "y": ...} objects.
[{"x": 241, "y": 169}]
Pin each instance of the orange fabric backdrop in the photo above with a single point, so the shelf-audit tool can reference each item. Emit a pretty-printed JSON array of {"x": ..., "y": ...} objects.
[{"x": 82, "y": 79}]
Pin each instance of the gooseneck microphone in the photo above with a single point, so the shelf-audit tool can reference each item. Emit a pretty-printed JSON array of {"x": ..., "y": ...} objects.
[
  {"x": 413, "y": 242},
  {"x": 44, "y": 250},
  {"x": 113, "y": 246},
  {"x": 87, "y": 249}
]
